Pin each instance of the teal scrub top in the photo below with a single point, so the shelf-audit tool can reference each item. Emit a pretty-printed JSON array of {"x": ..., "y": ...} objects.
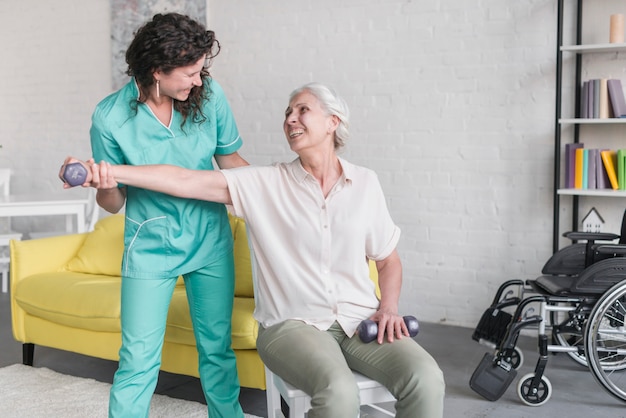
[{"x": 166, "y": 236}]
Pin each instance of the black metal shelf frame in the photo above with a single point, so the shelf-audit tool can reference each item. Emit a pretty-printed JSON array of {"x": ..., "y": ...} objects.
[{"x": 558, "y": 110}]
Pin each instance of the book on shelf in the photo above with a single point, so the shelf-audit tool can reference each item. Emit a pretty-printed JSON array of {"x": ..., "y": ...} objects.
[
  {"x": 585, "y": 169},
  {"x": 596, "y": 98},
  {"x": 591, "y": 155},
  {"x": 578, "y": 170},
  {"x": 602, "y": 98},
  {"x": 593, "y": 168},
  {"x": 584, "y": 92},
  {"x": 570, "y": 164},
  {"x": 609, "y": 160},
  {"x": 590, "y": 99},
  {"x": 616, "y": 94},
  {"x": 602, "y": 177},
  {"x": 621, "y": 169}
]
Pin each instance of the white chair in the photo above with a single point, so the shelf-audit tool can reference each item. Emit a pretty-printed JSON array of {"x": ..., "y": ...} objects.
[
  {"x": 92, "y": 212},
  {"x": 7, "y": 234},
  {"x": 4, "y": 257},
  {"x": 371, "y": 392}
]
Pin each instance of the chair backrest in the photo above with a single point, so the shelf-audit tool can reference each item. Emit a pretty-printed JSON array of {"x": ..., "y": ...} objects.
[
  {"x": 92, "y": 211},
  {"x": 5, "y": 181}
]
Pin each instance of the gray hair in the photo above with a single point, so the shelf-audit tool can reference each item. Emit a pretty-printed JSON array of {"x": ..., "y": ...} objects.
[{"x": 333, "y": 104}]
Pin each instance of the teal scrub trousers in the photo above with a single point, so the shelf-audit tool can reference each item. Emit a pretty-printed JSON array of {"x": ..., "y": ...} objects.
[{"x": 145, "y": 303}]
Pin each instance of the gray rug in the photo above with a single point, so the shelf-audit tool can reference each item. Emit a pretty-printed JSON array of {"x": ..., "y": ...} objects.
[{"x": 32, "y": 392}]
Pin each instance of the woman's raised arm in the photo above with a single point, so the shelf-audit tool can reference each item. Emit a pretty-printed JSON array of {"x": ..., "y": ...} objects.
[{"x": 176, "y": 181}]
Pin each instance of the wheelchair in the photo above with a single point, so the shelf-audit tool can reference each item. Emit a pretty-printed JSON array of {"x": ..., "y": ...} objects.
[{"x": 577, "y": 306}]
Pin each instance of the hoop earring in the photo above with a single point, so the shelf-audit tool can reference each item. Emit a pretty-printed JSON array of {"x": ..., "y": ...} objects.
[{"x": 158, "y": 93}]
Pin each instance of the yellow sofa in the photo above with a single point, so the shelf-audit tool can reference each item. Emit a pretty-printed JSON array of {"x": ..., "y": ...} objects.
[{"x": 65, "y": 294}]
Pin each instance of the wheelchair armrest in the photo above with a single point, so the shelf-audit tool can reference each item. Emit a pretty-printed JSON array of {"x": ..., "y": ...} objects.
[
  {"x": 611, "y": 249},
  {"x": 590, "y": 236}
]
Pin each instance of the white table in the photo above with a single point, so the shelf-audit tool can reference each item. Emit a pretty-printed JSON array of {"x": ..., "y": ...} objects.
[
  {"x": 62, "y": 203},
  {"x": 68, "y": 204}
]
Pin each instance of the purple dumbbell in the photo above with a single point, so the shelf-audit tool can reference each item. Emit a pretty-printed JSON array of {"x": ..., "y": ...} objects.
[
  {"x": 368, "y": 329},
  {"x": 74, "y": 174}
]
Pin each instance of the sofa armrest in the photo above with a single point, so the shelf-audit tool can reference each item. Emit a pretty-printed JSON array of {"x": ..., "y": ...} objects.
[
  {"x": 43, "y": 255},
  {"x": 33, "y": 257}
]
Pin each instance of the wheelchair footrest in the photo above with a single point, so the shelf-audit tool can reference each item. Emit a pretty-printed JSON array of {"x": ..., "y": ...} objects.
[
  {"x": 492, "y": 326},
  {"x": 491, "y": 380}
]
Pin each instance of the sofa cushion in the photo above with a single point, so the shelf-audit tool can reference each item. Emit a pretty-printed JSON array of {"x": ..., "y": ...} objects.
[
  {"x": 90, "y": 301},
  {"x": 78, "y": 300},
  {"x": 244, "y": 326},
  {"x": 102, "y": 250},
  {"x": 243, "y": 268}
]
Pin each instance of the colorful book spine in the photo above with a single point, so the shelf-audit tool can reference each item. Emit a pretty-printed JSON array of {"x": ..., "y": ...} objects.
[
  {"x": 603, "y": 104},
  {"x": 578, "y": 177},
  {"x": 602, "y": 178},
  {"x": 616, "y": 95},
  {"x": 585, "y": 168},
  {"x": 570, "y": 164},
  {"x": 596, "y": 98},
  {"x": 591, "y": 168},
  {"x": 621, "y": 169},
  {"x": 609, "y": 160}
]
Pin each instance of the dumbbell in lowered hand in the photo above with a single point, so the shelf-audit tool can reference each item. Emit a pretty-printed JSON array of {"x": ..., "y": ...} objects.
[
  {"x": 368, "y": 329},
  {"x": 74, "y": 174}
]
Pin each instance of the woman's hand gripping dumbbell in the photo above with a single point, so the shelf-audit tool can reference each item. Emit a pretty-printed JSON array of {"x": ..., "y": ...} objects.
[
  {"x": 87, "y": 173},
  {"x": 368, "y": 329},
  {"x": 74, "y": 173}
]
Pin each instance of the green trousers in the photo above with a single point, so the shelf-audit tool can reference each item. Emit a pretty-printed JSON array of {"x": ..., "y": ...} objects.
[
  {"x": 320, "y": 363},
  {"x": 145, "y": 304}
]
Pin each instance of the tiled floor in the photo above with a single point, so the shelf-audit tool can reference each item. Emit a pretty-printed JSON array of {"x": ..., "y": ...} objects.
[{"x": 575, "y": 392}]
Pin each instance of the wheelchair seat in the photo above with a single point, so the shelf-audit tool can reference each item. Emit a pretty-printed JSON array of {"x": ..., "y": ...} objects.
[
  {"x": 553, "y": 285},
  {"x": 592, "y": 281}
]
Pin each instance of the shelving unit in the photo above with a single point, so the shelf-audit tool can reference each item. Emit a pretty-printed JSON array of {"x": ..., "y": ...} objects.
[
  {"x": 560, "y": 123},
  {"x": 592, "y": 192},
  {"x": 583, "y": 49},
  {"x": 592, "y": 121}
]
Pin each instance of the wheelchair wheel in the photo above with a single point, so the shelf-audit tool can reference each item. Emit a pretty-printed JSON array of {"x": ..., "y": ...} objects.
[
  {"x": 517, "y": 358},
  {"x": 534, "y": 397},
  {"x": 605, "y": 341},
  {"x": 568, "y": 332}
]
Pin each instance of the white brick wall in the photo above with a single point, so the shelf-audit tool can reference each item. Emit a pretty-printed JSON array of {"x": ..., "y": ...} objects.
[
  {"x": 452, "y": 104},
  {"x": 55, "y": 67}
]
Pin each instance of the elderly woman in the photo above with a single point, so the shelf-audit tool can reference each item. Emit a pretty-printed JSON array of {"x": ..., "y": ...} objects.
[{"x": 314, "y": 223}]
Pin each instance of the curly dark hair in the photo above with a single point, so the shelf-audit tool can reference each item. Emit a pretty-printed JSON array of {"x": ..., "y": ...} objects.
[{"x": 170, "y": 41}]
